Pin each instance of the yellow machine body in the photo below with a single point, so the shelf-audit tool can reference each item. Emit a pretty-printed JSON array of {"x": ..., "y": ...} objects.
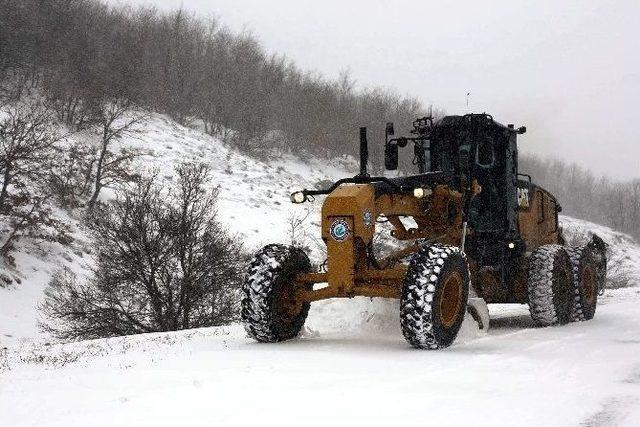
[{"x": 350, "y": 269}]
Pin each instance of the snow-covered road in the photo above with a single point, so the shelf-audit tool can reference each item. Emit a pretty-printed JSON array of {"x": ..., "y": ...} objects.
[{"x": 580, "y": 374}]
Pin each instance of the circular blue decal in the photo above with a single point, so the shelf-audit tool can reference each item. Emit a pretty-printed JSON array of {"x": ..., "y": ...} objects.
[{"x": 339, "y": 230}]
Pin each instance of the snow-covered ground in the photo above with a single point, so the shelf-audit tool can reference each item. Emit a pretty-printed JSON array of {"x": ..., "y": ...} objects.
[
  {"x": 584, "y": 373},
  {"x": 350, "y": 366}
]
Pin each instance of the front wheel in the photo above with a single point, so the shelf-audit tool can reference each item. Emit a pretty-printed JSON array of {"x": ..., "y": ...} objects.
[
  {"x": 434, "y": 297},
  {"x": 269, "y": 309}
]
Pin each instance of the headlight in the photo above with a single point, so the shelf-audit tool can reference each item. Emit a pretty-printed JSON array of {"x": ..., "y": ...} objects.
[
  {"x": 298, "y": 197},
  {"x": 420, "y": 192}
]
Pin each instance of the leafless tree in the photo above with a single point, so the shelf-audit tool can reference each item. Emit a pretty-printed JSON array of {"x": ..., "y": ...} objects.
[
  {"x": 296, "y": 227},
  {"x": 26, "y": 143},
  {"x": 115, "y": 119},
  {"x": 163, "y": 263},
  {"x": 79, "y": 52},
  {"x": 27, "y": 148},
  {"x": 71, "y": 173}
]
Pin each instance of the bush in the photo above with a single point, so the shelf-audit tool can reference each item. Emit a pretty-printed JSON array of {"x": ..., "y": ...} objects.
[
  {"x": 28, "y": 143},
  {"x": 164, "y": 263}
]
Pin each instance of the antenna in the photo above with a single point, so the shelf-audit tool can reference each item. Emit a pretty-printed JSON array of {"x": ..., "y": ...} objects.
[{"x": 468, "y": 93}]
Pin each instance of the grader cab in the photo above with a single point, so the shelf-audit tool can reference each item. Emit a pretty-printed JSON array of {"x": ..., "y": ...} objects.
[{"x": 483, "y": 233}]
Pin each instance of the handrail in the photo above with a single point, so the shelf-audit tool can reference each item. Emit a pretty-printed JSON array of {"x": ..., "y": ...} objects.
[
  {"x": 359, "y": 179},
  {"x": 354, "y": 180}
]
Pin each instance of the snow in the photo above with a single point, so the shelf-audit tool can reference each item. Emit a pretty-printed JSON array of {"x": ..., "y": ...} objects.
[
  {"x": 623, "y": 263},
  {"x": 35, "y": 264},
  {"x": 583, "y": 373},
  {"x": 351, "y": 364}
]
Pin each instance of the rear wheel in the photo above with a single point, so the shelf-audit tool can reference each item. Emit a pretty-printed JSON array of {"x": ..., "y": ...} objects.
[
  {"x": 585, "y": 283},
  {"x": 434, "y": 297},
  {"x": 270, "y": 311},
  {"x": 550, "y": 285}
]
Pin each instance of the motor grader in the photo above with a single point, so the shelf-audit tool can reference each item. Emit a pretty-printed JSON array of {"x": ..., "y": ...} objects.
[{"x": 482, "y": 233}]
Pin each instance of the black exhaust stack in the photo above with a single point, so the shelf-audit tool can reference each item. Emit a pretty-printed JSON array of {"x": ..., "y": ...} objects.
[{"x": 364, "y": 152}]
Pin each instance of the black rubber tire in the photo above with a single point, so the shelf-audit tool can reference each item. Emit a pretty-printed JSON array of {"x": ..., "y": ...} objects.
[
  {"x": 550, "y": 285},
  {"x": 420, "y": 304},
  {"x": 270, "y": 274},
  {"x": 585, "y": 272}
]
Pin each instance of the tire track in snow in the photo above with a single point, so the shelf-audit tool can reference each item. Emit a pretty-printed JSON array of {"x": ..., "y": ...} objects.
[
  {"x": 634, "y": 375},
  {"x": 616, "y": 409},
  {"x": 613, "y": 412}
]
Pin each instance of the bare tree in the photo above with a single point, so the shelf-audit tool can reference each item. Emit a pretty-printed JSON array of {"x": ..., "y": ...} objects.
[
  {"x": 71, "y": 173},
  {"x": 26, "y": 143},
  {"x": 115, "y": 119},
  {"x": 27, "y": 146},
  {"x": 82, "y": 51},
  {"x": 163, "y": 263},
  {"x": 296, "y": 228}
]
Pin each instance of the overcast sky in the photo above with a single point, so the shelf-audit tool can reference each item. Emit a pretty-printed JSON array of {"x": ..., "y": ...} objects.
[{"x": 568, "y": 70}]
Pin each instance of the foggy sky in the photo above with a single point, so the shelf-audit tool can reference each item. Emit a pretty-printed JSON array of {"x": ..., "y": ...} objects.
[{"x": 569, "y": 71}]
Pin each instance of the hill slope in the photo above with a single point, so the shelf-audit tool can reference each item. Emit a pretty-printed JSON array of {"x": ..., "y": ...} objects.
[{"x": 253, "y": 202}]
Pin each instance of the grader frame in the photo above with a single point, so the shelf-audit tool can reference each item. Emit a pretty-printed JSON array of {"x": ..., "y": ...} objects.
[{"x": 349, "y": 270}]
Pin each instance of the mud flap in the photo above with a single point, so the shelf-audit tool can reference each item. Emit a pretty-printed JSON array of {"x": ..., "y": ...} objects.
[{"x": 479, "y": 310}]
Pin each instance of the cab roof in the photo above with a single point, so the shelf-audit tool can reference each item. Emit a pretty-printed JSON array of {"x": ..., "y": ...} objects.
[{"x": 470, "y": 119}]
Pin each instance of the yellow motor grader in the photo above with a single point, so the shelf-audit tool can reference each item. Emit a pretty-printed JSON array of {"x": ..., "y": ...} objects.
[{"x": 483, "y": 233}]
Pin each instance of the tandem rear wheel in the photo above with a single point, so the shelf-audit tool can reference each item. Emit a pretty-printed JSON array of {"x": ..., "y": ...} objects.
[{"x": 563, "y": 284}]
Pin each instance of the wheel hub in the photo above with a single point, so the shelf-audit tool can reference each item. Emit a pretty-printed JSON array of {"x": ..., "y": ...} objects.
[
  {"x": 589, "y": 284},
  {"x": 288, "y": 305},
  {"x": 451, "y": 299}
]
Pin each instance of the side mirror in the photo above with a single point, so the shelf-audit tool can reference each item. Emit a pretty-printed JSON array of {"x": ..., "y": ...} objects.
[
  {"x": 391, "y": 156},
  {"x": 389, "y": 130}
]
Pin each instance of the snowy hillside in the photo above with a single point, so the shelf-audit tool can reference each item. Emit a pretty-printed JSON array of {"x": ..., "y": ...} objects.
[
  {"x": 351, "y": 358},
  {"x": 623, "y": 255},
  {"x": 253, "y": 202}
]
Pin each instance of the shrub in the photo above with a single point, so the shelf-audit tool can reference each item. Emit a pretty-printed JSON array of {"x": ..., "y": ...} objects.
[{"x": 164, "y": 263}]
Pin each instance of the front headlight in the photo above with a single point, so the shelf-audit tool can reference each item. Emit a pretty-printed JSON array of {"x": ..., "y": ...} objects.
[
  {"x": 298, "y": 197},
  {"x": 420, "y": 192}
]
